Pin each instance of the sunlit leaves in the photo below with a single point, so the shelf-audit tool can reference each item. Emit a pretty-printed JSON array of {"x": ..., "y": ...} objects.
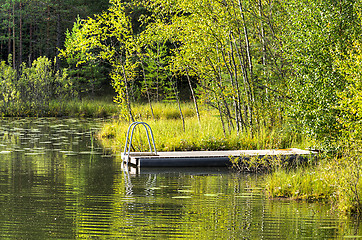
[
  {"x": 351, "y": 97},
  {"x": 107, "y": 37},
  {"x": 218, "y": 43},
  {"x": 314, "y": 39}
]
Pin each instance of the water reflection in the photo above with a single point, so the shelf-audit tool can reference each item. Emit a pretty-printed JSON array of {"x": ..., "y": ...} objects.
[
  {"x": 218, "y": 205},
  {"x": 56, "y": 182}
]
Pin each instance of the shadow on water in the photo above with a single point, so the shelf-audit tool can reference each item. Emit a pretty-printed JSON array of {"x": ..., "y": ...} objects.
[
  {"x": 57, "y": 182},
  {"x": 185, "y": 170}
]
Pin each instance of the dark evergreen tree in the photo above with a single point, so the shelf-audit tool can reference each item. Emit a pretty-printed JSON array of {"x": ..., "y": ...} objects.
[{"x": 30, "y": 29}]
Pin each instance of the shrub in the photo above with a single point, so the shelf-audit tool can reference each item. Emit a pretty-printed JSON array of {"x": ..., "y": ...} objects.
[{"x": 31, "y": 89}]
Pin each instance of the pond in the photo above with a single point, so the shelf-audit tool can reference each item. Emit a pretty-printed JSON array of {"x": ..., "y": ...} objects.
[{"x": 57, "y": 182}]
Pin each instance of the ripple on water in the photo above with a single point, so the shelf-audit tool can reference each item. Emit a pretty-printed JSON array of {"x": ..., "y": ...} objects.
[{"x": 54, "y": 184}]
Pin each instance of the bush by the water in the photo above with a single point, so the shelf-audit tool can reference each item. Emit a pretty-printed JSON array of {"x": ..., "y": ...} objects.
[{"x": 28, "y": 91}]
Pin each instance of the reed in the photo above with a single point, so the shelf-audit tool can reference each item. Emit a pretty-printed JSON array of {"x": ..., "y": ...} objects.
[
  {"x": 161, "y": 110},
  {"x": 334, "y": 178},
  {"x": 99, "y": 107},
  {"x": 84, "y": 108},
  {"x": 301, "y": 183}
]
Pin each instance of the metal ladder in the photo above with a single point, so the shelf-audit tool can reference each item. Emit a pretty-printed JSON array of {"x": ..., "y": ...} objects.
[{"x": 148, "y": 129}]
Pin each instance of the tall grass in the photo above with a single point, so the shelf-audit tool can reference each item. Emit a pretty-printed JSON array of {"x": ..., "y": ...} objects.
[
  {"x": 337, "y": 179},
  {"x": 204, "y": 135},
  {"x": 161, "y": 110},
  {"x": 99, "y": 107}
]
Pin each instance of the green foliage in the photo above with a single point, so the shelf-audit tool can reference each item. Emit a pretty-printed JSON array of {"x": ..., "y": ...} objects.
[
  {"x": 157, "y": 73},
  {"x": 317, "y": 35},
  {"x": 324, "y": 51},
  {"x": 258, "y": 64},
  {"x": 89, "y": 78},
  {"x": 39, "y": 84},
  {"x": 107, "y": 37},
  {"x": 219, "y": 45},
  {"x": 350, "y": 97},
  {"x": 86, "y": 77},
  {"x": 32, "y": 89},
  {"x": 212, "y": 44},
  {"x": 8, "y": 88}
]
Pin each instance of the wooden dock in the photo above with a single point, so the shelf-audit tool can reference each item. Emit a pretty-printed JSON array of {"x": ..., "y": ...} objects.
[{"x": 207, "y": 158}]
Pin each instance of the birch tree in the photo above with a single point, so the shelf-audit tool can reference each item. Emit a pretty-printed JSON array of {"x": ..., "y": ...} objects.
[
  {"x": 228, "y": 49},
  {"x": 107, "y": 37}
]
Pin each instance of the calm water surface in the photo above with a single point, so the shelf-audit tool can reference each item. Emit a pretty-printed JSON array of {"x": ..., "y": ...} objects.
[{"x": 56, "y": 182}]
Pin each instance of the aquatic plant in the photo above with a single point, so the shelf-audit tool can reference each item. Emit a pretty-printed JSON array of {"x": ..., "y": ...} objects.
[
  {"x": 334, "y": 178},
  {"x": 301, "y": 183},
  {"x": 87, "y": 107},
  {"x": 257, "y": 164}
]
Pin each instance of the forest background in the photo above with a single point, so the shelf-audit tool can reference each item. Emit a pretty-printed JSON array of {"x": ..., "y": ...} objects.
[
  {"x": 32, "y": 76},
  {"x": 262, "y": 68},
  {"x": 256, "y": 62}
]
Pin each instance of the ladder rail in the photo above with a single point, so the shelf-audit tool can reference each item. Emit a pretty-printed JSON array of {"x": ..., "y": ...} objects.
[
  {"x": 129, "y": 138},
  {"x": 148, "y": 136}
]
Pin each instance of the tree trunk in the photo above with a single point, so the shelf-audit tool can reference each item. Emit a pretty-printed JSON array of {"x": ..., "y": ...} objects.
[
  {"x": 246, "y": 35},
  {"x": 248, "y": 54},
  {"x": 128, "y": 103},
  {"x": 239, "y": 119},
  {"x": 246, "y": 81},
  {"x": 14, "y": 50},
  {"x": 179, "y": 105},
  {"x": 157, "y": 74},
  {"x": 221, "y": 96},
  {"x": 262, "y": 33},
  {"x": 221, "y": 118},
  {"x": 20, "y": 33},
  {"x": 30, "y": 44},
  {"x": 263, "y": 42},
  {"x": 193, "y": 96},
  {"x": 191, "y": 89},
  {"x": 47, "y": 48},
  {"x": 221, "y": 87},
  {"x": 147, "y": 90},
  {"x": 57, "y": 64},
  {"x": 9, "y": 34}
]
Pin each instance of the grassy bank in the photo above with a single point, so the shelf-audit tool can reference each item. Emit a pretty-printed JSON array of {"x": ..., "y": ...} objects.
[
  {"x": 204, "y": 135},
  {"x": 335, "y": 178}
]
